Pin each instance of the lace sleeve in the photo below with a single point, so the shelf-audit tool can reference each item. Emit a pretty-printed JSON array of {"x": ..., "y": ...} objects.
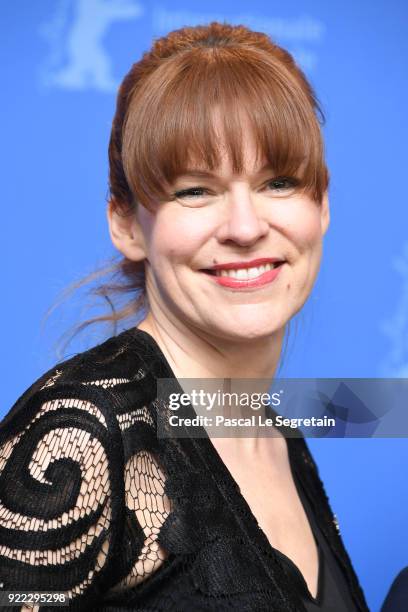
[
  {"x": 61, "y": 494},
  {"x": 147, "y": 505}
]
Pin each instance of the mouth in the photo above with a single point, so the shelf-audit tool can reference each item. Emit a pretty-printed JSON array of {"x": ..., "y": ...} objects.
[
  {"x": 241, "y": 273},
  {"x": 238, "y": 276}
]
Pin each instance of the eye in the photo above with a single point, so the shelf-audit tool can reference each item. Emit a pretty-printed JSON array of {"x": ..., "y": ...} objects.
[
  {"x": 283, "y": 184},
  {"x": 191, "y": 192}
]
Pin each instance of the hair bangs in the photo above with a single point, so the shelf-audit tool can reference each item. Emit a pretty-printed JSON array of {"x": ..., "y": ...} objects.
[{"x": 200, "y": 104}]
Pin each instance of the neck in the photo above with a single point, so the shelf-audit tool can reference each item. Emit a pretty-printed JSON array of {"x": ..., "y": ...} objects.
[{"x": 193, "y": 355}]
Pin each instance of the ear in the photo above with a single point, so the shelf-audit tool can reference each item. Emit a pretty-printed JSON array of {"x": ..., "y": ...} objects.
[
  {"x": 325, "y": 213},
  {"x": 126, "y": 233}
]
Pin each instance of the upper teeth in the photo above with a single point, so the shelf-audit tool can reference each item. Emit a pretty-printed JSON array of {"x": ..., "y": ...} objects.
[{"x": 246, "y": 273}]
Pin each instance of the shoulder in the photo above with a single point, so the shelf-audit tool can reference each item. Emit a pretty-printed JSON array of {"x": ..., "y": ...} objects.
[
  {"x": 97, "y": 373},
  {"x": 101, "y": 392},
  {"x": 64, "y": 446}
]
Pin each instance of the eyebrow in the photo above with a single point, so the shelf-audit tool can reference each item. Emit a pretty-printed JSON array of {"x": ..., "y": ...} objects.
[{"x": 207, "y": 174}]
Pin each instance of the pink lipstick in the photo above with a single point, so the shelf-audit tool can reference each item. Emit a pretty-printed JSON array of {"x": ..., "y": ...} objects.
[{"x": 253, "y": 279}]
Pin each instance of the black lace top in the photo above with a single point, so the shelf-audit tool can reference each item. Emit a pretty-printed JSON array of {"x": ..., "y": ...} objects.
[{"x": 95, "y": 504}]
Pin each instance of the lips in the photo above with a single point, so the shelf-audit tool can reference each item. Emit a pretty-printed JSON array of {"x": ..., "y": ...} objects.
[{"x": 246, "y": 274}]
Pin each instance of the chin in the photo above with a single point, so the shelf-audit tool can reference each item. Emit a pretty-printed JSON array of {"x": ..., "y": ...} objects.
[{"x": 239, "y": 330}]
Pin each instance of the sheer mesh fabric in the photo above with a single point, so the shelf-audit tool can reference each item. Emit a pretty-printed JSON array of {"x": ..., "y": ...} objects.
[{"x": 56, "y": 473}]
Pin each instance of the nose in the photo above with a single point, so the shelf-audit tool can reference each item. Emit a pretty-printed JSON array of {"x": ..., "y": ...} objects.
[{"x": 242, "y": 222}]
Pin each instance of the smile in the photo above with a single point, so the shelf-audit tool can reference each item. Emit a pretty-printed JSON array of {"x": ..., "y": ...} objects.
[{"x": 243, "y": 278}]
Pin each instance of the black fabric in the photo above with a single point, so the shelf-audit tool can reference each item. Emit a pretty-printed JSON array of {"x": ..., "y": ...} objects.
[
  {"x": 397, "y": 597},
  {"x": 333, "y": 594},
  {"x": 94, "y": 503}
]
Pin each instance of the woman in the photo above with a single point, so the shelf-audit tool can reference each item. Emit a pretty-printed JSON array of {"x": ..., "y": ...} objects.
[{"x": 219, "y": 203}]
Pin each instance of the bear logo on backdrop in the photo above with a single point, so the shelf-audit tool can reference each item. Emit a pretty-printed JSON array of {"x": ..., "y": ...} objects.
[
  {"x": 79, "y": 58},
  {"x": 87, "y": 63}
]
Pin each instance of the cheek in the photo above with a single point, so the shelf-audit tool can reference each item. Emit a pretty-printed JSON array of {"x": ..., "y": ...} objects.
[
  {"x": 303, "y": 227},
  {"x": 178, "y": 237}
]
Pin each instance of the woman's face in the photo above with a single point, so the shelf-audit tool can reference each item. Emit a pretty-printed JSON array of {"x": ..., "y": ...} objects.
[{"x": 227, "y": 219}]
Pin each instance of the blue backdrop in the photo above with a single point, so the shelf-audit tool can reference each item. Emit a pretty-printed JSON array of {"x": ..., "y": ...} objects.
[{"x": 62, "y": 61}]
